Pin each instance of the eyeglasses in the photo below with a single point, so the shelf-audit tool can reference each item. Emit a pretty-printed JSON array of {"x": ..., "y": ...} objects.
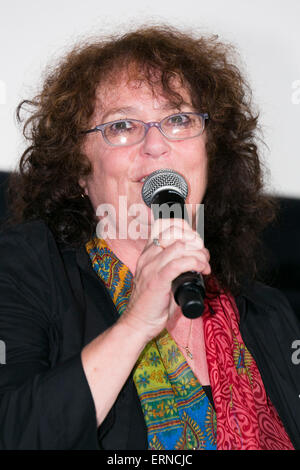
[{"x": 125, "y": 132}]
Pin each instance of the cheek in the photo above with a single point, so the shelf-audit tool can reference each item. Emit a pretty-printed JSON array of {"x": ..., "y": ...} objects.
[
  {"x": 199, "y": 161},
  {"x": 195, "y": 168},
  {"x": 194, "y": 159},
  {"x": 109, "y": 179},
  {"x": 106, "y": 163}
]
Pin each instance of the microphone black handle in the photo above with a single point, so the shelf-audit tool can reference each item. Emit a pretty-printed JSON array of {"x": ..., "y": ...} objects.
[
  {"x": 188, "y": 288},
  {"x": 189, "y": 291}
]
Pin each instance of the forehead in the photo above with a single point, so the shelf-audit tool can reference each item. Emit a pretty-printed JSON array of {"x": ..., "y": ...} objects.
[{"x": 130, "y": 92}]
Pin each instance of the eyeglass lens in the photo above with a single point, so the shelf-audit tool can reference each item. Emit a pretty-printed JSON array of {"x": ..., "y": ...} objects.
[{"x": 177, "y": 126}]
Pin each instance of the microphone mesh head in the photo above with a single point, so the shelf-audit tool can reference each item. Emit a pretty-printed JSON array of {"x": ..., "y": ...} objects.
[{"x": 161, "y": 180}]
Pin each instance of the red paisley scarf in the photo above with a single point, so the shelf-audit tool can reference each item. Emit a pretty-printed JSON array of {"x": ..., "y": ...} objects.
[{"x": 246, "y": 418}]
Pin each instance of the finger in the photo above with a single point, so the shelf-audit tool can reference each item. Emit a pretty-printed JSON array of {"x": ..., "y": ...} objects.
[
  {"x": 153, "y": 250},
  {"x": 174, "y": 253},
  {"x": 174, "y": 231},
  {"x": 178, "y": 250},
  {"x": 177, "y": 266},
  {"x": 171, "y": 234},
  {"x": 165, "y": 227},
  {"x": 178, "y": 247}
]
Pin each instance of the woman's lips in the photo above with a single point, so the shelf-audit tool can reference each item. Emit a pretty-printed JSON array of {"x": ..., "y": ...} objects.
[{"x": 142, "y": 179}]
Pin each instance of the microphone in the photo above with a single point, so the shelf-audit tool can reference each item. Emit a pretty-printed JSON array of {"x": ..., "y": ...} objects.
[{"x": 165, "y": 192}]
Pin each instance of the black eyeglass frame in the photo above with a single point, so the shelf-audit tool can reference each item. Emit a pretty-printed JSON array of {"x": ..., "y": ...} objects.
[{"x": 147, "y": 126}]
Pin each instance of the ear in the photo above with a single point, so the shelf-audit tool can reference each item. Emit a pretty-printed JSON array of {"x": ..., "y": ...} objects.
[{"x": 82, "y": 183}]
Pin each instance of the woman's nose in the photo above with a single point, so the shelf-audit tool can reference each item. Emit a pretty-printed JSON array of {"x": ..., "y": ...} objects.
[{"x": 155, "y": 144}]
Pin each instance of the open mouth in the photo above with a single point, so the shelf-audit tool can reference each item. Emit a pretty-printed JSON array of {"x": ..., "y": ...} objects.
[
  {"x": 150, "y": 172},
  {"x": 142, "y": 180}
]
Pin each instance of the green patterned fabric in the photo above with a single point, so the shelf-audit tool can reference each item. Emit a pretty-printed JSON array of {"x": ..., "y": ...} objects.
[{"x": 176, "y": 409}]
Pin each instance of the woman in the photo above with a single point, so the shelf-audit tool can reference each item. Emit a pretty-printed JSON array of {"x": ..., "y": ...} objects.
[{"x": 99, "y": 354}]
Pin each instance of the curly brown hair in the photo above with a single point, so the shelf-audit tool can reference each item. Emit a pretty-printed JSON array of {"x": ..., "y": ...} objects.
[{"x": 47, "y": 185}]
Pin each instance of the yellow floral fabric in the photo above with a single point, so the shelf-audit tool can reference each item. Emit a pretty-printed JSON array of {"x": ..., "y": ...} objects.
[{"x": 176, "y": 409}]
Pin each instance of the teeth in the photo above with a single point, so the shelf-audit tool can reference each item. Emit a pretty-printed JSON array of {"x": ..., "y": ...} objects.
[{"x": 143, "y": 179}]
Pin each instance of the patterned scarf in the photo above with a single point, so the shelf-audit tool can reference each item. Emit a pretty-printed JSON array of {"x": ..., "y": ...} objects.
[
  {"x": 246, "y": 418},
  {"x": 177, "y": 412}
]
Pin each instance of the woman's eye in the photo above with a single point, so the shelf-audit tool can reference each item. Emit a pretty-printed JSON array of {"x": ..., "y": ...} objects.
[
  {"x": 120, "y": 126},
  {"x": 179, "y": 119}
]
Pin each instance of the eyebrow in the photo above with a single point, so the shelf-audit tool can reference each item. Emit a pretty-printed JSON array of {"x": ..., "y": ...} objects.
[
  {"x": 123, "y": 110},
  {"x": 131, "y": 109}
]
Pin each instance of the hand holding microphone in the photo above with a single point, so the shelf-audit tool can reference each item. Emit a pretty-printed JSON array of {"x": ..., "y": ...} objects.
[
  {"x": 175, "y": 262},
  {"x": 165, "y": 192}
]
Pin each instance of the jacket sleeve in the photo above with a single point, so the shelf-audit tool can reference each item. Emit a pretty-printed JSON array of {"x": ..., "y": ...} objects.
[{"x": 42, "y": 405}]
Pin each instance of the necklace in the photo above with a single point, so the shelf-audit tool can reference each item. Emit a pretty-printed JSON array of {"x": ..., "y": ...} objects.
[{"x": 187, "y": 349}]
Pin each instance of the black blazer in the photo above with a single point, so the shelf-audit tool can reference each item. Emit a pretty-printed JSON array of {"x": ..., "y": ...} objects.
[{"x": 52, "y": 304}]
